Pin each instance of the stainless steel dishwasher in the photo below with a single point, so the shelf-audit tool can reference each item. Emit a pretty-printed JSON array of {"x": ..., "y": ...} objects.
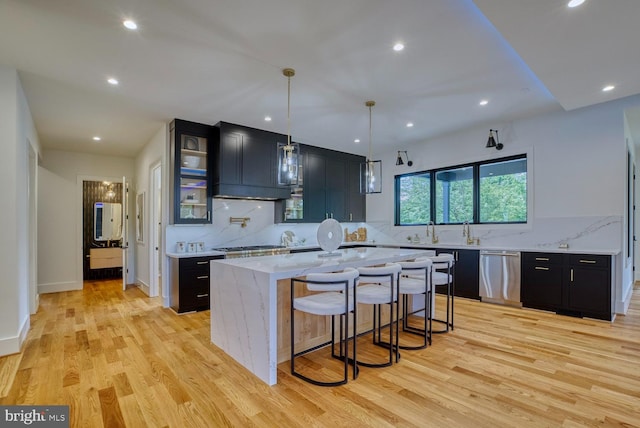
[{"x": 500, "y": 277}]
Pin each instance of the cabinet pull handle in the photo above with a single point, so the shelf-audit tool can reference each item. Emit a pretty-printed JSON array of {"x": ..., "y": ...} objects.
[
  {"x": 331, "y": 215},
  {"x": 587, "y": 261},
  {"x": 541, "y": 268},
  {"x": 571, "y": 274},
  {"x": 208, "y": 215},
  {"x": 203, "y": 277},
  {"x": 350, "y": 216},
  {"x": 542, "y": 259},
  {"x": 202, "y": 295},
  {"x": 326, "y": 215},
  {"x": 202, "y": 263}
]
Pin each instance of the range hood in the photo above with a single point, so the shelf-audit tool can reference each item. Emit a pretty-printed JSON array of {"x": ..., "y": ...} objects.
[{"x": 238, "y": 191}]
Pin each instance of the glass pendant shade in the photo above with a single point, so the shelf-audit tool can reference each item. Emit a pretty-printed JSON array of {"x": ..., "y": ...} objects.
[
  {"x": 288, "y": 161},
  {"x": 370, "y": 170},
  {"x": 371, "y": 176}
]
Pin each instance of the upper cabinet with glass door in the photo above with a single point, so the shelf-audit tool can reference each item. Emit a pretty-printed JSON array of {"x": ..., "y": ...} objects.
[{"x": 191, "y": 175}]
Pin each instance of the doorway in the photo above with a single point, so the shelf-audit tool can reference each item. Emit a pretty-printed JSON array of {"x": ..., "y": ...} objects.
[
  {"x": 155, "y": 249},
  {"x": 102, "y": 230}
]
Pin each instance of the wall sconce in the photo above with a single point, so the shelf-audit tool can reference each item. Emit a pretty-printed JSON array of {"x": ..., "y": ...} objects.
[
  {"x": 494, "y": 142},
  {"x": 399, "y": 160}
]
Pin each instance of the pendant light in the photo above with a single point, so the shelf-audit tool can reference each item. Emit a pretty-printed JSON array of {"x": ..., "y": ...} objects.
[
  {"x": 371, "y": 170},
  {"x": 288, "y": 154}
]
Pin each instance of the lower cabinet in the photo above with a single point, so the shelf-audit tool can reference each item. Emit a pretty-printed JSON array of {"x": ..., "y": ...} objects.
[
  {"x": 190, "y": 284},
  {"x": 569, "y": 284},
  {"x": 466, "y": 271}
]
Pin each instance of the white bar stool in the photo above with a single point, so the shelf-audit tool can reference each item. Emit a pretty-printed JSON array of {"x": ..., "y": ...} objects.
[
  {"x": 415, "y": 280},
  {"x": 443, "y": 275},
  {"x": 336, "y": 296},
  {"x": 379, "y": 286}
]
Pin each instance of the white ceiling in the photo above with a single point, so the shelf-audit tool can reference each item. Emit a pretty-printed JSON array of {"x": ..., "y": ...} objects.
[{"x": 208, "y": 61}]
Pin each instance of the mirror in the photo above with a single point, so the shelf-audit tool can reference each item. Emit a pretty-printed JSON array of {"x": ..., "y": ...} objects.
[{"x": 107, "y": 221}]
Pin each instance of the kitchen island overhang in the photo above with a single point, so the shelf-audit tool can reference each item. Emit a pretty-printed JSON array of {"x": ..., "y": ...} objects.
[{"x": 244, "y": 298}]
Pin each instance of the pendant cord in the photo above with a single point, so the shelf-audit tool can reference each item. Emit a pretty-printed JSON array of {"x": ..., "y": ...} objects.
[
  {"x": 370, "y": 133},
  {"x": 288, "y": 110}
]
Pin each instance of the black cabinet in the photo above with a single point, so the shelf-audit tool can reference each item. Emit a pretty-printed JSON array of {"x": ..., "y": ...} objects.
[
  {"x": 356, "y": 201},
  {"x": 190, "y": 283},
  {"x": 190, "y": 172},
  {"x": 570, "y": 284},
  {"x": 466, "y": 271},
  {"x": 331, "y": 186},
  {"x": 246, "y": 163},
  {"x": 587, "y": 285},
  {"x": 541, "y": 282}
]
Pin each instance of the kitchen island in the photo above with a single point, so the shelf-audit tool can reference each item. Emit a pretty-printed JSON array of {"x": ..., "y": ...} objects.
[{"x": 249, "y": 308}]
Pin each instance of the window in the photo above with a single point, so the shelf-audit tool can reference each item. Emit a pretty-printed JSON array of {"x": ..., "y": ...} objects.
[
  {"x": 454, "y": 195},
  {"x": 503, "y": 192},
  {"x": 482, "y": 192},
  {"x": 414, "y": 196}
]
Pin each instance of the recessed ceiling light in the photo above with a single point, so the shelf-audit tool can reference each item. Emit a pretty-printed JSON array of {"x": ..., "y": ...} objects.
[
  {"x": 112, "y": 81},
  {"x": 96, "y": 138},
  {"x": 398, "y": 47},
  {"x": 267, "y": 118},
  {"x": 131, "y": 25},
  {"x": 484, "y": 102},
  {"x": 608, "y": 88},
  {"x": 409, "y": 124},
  {"x": 357, "y": 140},
  {"x": 575, "y": 3}
]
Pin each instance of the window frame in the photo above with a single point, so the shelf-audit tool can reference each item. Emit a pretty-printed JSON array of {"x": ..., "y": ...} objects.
[{"x": 475, "y": 190}]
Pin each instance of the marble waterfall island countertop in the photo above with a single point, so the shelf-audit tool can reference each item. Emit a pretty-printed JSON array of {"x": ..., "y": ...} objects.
[{"x": 244, "y": 298}]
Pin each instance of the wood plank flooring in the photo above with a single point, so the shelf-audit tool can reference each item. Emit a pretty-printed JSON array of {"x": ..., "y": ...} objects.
[{"x": 120, "y": 359}]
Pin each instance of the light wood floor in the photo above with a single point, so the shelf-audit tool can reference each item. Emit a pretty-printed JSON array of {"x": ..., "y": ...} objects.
[{"x": 120, "y": 359}]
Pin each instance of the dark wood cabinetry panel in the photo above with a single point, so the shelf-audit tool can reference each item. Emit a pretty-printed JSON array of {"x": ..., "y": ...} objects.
[
  {"x": 467, "y": 272},
  {"x": 329, "y": 192},
  {"x": 571, "y": 284},
  {"x": 190, "y": 283},
  {"x": 541, "y": 284},
  {"x": 191, "y": 172},
  {"x": 246, "y": 163},
  {"x": 356, "y": 201}
]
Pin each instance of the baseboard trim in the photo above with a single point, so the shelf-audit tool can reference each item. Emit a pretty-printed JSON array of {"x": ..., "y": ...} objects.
[
  {"x": 623, "y": 306},
  {"x": 56, "y": 287},
  {"x": 143, "y": 286},
  {"x": 13, "y": 345}
]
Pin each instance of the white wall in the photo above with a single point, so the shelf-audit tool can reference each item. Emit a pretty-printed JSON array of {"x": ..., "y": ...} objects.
[
  {"x": 577, "y": 173},
  {"x": 17, "y": 132},
  {"x": 60, "y": 213},
  {"x": 152, "y": 153}
]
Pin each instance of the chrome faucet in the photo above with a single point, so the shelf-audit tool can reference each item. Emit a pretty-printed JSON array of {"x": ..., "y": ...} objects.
[{"x": 434, "y": 238}]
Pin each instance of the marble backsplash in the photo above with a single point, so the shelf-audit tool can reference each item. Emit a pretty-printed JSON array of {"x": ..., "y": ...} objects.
[{"x": 580, "y": 233}]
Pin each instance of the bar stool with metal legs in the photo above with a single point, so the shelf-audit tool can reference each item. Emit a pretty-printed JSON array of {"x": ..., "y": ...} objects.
[
  {"x": 379, "y": 286},
  {"x": 443, "y": 276},
  {"x": 415, "y": 281},
  {"x": 335, "y": 295}
]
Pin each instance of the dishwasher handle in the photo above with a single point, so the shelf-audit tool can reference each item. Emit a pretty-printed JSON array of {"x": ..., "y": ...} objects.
[{"x": 499, "y": 253}]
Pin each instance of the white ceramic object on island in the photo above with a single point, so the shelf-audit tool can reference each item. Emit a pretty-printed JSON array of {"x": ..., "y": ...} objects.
[{"x": 329, "y": 235}]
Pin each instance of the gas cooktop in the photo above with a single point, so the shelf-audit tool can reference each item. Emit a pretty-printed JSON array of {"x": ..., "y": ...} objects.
[{"x": 253, "y": 250}]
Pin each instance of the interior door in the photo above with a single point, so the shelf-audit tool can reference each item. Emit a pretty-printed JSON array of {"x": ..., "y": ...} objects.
[{"x": 125, "y": 231}]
